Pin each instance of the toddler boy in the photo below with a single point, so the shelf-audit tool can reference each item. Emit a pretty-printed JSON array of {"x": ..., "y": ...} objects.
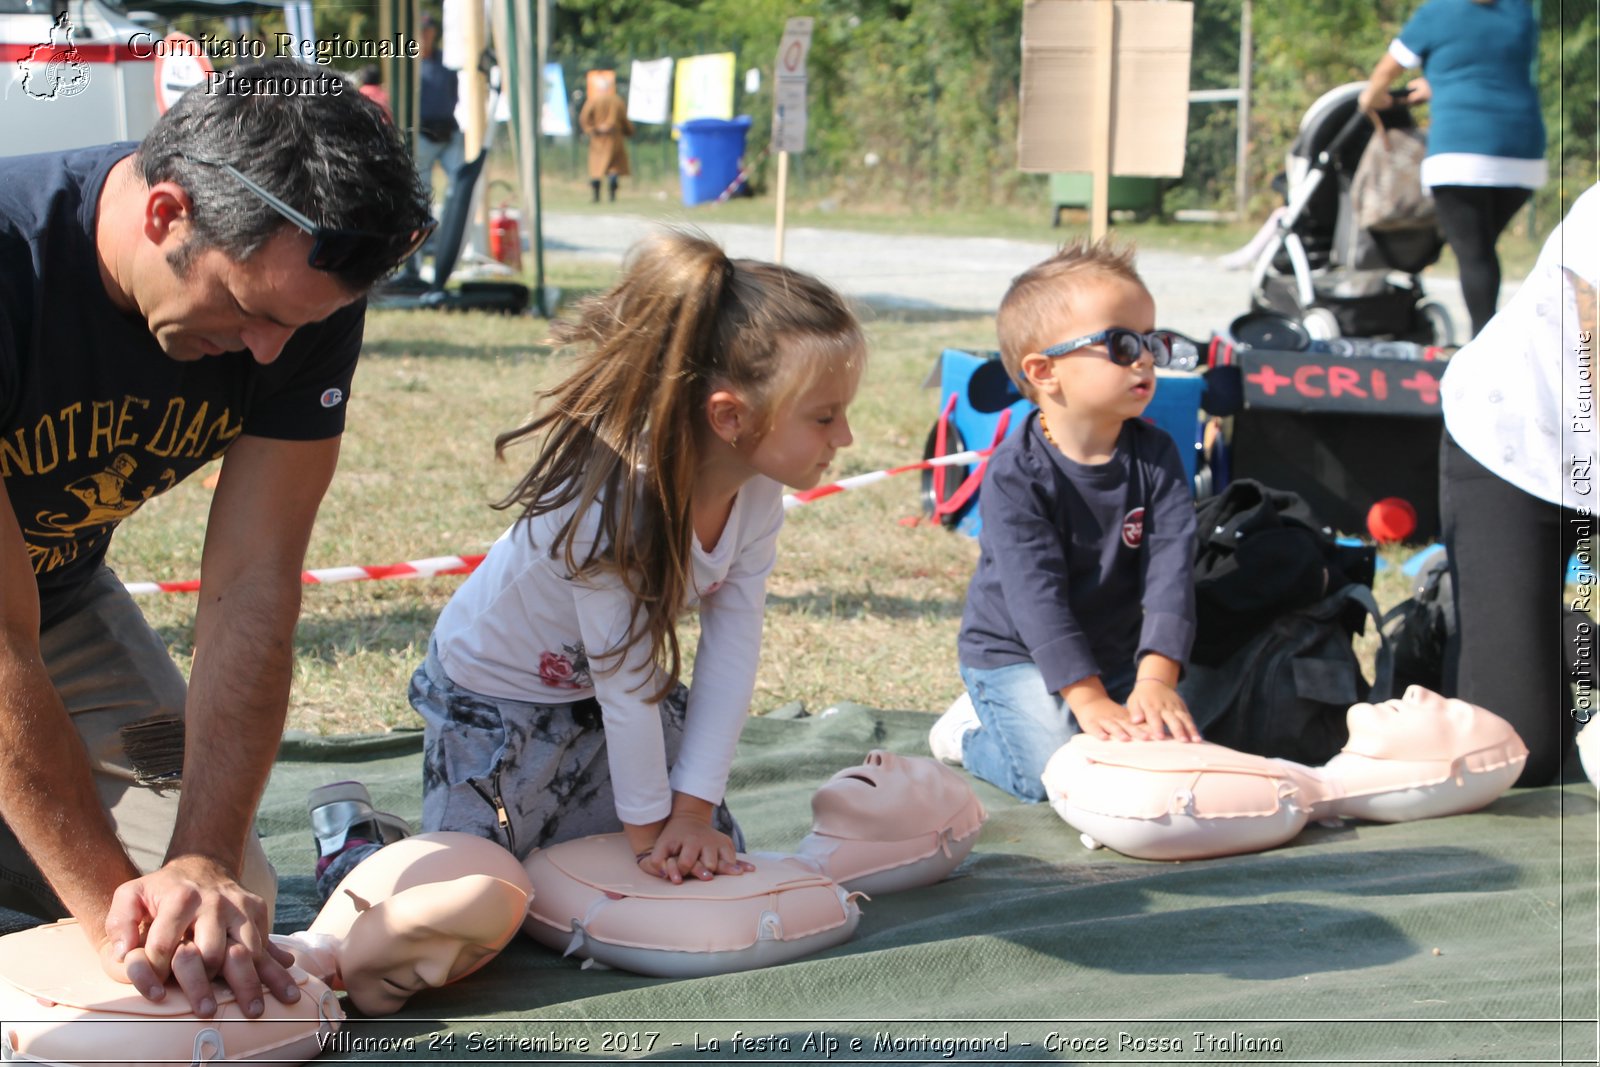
[{"x": 1081, "y": 612}]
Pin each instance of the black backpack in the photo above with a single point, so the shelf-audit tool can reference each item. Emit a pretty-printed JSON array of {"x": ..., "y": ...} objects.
[
  {"x": 1285, "y": 691},
  {"x": 1262, "y": 552},
  {"x": 1418, "y": 628},
  {"x": 1278, "y": 602}
]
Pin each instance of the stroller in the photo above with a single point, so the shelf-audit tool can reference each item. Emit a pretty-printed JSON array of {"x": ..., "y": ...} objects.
[{"x": 1318, "y": 268}]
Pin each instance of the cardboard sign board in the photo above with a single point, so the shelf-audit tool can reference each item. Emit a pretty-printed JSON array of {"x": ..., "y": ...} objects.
[
  {"x": 789, "y": 117},
  {"x": 650, "y": 91},
  {"x": 555, "y": 117},
  {"x": 703, "y": 88},
  {"x": 789, "y": 87},
  {"x": 599, "y": 83},
  {"x": 1314, "y": 382},
  {"x": 1149, "y": 86}
]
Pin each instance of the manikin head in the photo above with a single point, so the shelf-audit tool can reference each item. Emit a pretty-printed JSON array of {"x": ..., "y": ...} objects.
[
  {"x": 1420, "y": 757},
  {"x": 891, "y": 798},
  {"x": 892, "y": 823},
  {"x": 1422, "y": 725},
  {"x": 422, "y": 913},
  {"x": 426, "y": 937}
]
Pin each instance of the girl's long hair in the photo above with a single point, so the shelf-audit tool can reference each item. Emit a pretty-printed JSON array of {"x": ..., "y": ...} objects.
[{"x": 624, "y": 430}]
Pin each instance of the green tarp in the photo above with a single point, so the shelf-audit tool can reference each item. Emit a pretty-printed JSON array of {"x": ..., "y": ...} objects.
[{"x": 1464, "y": 939}]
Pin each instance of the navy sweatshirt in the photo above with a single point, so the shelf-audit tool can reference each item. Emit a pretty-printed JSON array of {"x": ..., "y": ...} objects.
[{"x": 1083, "y": 569}]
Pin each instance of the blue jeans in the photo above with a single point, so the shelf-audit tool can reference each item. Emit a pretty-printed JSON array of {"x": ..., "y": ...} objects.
[
  {"x": 450, "y": 156},
  {"x": 1021, "y": 723}
]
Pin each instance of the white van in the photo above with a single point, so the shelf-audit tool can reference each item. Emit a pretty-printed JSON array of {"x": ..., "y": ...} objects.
[{"x": 71, "y": 75}]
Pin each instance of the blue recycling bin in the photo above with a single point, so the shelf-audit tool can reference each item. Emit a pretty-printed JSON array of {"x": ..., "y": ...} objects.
[{"x": 709, "y": 151}]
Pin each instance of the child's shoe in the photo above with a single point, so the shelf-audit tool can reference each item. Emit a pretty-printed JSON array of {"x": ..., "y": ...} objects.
[
  {"x": 342, "y": 817},
  {"x": 949, "y": 732}
]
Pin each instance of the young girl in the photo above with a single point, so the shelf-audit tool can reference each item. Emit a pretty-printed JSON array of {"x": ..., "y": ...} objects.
[{"x": 550, "y": 690}]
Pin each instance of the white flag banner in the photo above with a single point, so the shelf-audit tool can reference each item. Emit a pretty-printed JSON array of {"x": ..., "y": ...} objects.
[
  {"x": 555, "y": 117},
  {"x": 650, "y": 90}
]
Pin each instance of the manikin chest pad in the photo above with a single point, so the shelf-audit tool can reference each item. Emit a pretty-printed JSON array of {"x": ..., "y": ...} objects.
[
  {"x": 1418, "y": 757},
  {"x": 424, "y": 911},
  {"x": 59, "y": 1007},
  {"x": 895, "y": 822}
]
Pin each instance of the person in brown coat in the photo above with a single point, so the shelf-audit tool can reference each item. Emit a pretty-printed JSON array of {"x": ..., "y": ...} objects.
[{"x": 605, "y": 119}]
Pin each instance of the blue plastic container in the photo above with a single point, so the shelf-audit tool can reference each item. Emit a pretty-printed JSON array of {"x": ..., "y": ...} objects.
[{"x": 709, "y": 151}]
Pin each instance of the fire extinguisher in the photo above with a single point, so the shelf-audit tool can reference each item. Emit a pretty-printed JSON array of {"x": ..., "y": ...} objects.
[{"x": 505, "y": 236}]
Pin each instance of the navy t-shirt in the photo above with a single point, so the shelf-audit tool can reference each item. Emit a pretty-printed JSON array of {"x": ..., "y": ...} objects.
[
  {"x": 438, "y": 92},
  {"x": 95, "y": 418},
  {"x": 1082, "y": 568}
]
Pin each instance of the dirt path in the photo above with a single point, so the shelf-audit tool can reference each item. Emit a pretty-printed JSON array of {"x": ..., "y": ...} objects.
[{"x": 957, "y": 274}]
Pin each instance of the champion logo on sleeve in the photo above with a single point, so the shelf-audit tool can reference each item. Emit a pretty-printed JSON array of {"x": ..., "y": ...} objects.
[{"x": 332, "y": 398}]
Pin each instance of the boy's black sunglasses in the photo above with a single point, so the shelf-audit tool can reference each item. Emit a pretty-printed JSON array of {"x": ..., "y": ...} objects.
[
  {"x": 1124, "y": 347},
  {"x": 335, "y": 249}
]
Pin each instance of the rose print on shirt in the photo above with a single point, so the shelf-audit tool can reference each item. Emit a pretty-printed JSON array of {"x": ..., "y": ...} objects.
[{"x": 567, "y": 669}]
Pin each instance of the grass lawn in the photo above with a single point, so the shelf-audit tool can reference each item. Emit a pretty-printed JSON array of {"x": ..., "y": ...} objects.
[{"x": 863, "y": 606}]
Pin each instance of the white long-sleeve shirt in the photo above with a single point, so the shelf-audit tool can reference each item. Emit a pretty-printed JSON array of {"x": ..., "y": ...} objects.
[
  {"x": 523, "y": 628},
  {"x": 1521, "y": 397}
]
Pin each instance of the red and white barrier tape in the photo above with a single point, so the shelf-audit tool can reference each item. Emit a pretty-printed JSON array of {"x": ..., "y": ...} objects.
[
  {"x": 740, "y": 178},
  {"x": 436, "y": 565},
  {"x": 417, "y": 568},
  {"x": 955, "y": 459}
]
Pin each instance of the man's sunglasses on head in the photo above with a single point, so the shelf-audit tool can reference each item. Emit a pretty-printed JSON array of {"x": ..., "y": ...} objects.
[
  {"x": 335, "y": 249},
  {"x": 1124, "y": 347}
]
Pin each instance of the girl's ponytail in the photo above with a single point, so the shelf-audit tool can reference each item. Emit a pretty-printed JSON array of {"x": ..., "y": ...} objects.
[{"x": 622, "y": 432}]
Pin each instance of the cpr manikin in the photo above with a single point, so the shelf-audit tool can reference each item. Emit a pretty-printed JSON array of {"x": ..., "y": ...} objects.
[
  {"x": 419, "y": 913},
  {"x": 1419, "y": 757},
  {"x": 892, "y": 823},
  {"x": 431, "y": 909}
]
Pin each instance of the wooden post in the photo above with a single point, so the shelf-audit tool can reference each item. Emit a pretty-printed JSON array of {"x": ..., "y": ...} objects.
[
  {"x": 783, "y": 200},
  {"x": 1241, "y": 166},
  {"x": 1105, "y": 74}
]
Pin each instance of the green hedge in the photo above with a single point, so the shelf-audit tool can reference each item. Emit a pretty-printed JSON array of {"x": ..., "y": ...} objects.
[{"x": 929, "y": 88}]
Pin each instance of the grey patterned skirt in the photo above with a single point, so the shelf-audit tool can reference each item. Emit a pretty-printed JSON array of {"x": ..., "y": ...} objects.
[{"x": 525, "y": 775}]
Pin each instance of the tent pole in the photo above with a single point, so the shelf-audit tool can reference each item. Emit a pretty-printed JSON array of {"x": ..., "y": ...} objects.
[{"x": 529, "y": 60}]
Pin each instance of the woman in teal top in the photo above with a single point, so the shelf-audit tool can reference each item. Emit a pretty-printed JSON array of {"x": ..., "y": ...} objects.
[{"x": 1486, "y": 140}]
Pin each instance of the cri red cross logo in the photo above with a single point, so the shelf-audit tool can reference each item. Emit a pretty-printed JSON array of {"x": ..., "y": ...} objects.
[
  {"x": 1425, "y": 385},
  {"x": 1133, "y": 528},
  {"x": 1313, "y": 380}
]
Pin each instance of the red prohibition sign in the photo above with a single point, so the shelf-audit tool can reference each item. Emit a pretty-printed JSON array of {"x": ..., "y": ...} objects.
[{"x": 793, "y": 55}]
